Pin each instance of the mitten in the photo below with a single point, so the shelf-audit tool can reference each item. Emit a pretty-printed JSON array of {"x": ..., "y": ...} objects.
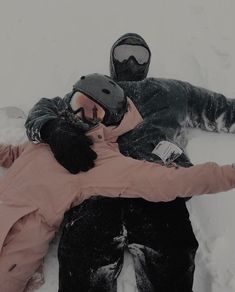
[{"x": 69, "y": 144}]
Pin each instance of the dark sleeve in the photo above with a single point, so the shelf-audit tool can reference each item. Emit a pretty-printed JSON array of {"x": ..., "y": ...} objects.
[
  {"x": 209, "y": 110},
  {"x": 44, "y": 110}
]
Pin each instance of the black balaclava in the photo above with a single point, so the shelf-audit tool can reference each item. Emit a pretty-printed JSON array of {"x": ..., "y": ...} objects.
[{"x": 129, "y": 69}]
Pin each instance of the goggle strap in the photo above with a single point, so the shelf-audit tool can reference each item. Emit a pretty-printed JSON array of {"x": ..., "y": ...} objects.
[{"x": 94, "y": 111}]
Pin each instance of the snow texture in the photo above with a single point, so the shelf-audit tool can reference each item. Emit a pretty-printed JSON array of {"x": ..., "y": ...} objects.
[{"x": 47, "y": 45}]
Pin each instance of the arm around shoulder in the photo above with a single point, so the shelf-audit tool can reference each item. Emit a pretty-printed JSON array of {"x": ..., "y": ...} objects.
[{"x": 44, "y": 110}]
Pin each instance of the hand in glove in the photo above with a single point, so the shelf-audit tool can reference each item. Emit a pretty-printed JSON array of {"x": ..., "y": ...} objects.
[{"x": 69, "y": 144}]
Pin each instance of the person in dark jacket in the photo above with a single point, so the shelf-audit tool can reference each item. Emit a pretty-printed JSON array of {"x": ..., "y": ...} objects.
[{"x": 158, "y": 235}]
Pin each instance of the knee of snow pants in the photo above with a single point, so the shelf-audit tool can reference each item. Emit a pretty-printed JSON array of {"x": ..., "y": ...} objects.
[
  {"x": 163, "y": 272},
  {"x": 22, "y": 254},
  {"x": 163, "y": 245},
  {"x": 91, "y": 247}
]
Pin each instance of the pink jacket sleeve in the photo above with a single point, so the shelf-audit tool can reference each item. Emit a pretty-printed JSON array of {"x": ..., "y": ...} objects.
[
  {"x": 9, "y": 153},
  {"x": 159, "y": 183}
]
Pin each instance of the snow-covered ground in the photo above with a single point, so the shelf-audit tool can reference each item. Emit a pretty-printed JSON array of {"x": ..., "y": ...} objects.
[{"x": 47, "y": 45}]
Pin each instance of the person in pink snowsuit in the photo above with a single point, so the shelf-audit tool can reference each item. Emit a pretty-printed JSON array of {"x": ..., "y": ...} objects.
[{"x": 36, "y": 190}]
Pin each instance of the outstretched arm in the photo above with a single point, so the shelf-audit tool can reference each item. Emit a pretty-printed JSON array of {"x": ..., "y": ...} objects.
[
  {"x": 127, "y": 177},
  {"x": 166, "y": 184},
  {"x": 209, "y": 110}
]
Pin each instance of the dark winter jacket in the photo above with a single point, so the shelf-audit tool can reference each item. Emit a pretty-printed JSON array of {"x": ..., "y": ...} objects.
[{"x": 169, "y": 108}]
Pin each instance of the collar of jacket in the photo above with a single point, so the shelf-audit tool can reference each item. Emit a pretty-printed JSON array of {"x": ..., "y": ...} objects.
[{"x": 110, "y": 134}]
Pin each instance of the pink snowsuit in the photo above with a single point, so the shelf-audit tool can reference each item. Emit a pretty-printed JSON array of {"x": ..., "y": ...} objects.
[{"x": 36, "y": 191}]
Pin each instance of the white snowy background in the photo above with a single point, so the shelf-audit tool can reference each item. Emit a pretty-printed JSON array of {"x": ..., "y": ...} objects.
[{"x": 46, "y": 45}]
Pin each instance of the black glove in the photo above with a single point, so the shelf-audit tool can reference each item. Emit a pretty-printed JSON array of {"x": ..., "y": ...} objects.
[{"x": 69, "y": 144}]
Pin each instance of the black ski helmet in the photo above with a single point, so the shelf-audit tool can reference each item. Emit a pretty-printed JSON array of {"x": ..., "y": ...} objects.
[{"x": 105, "y": 92}]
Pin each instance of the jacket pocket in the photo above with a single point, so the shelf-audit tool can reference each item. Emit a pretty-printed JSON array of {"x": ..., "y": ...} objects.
[{"x": 9, "y": 215}]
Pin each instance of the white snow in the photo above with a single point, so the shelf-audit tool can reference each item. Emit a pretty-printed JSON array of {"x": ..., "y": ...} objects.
[{"x": 47, "y": 45}]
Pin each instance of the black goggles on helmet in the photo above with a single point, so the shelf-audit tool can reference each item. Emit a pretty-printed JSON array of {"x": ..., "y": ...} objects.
[{"x": 124, "y": 52}]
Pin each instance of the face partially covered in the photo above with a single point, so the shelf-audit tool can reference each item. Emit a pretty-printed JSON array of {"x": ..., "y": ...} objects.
[
  {"x": 129, "y": 58},
  {"x": 86, "y": 108}
]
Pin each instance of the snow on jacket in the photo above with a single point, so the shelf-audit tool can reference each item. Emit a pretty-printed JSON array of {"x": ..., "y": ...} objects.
[
  {"x": 168, "y": 107},
  {"x": 36, "y": 183}
]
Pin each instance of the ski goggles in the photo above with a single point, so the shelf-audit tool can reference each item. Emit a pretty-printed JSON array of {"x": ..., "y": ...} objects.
[
  {"x": 124, "y": 52},
  {"x": 85, "y": 108}
]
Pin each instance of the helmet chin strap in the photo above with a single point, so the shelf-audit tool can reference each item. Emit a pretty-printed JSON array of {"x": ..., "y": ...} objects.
[{"x": 94, "y": 112}]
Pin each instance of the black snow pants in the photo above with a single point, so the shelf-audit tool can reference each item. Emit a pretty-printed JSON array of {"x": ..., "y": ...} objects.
[{"x": 158, "y": 235}]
